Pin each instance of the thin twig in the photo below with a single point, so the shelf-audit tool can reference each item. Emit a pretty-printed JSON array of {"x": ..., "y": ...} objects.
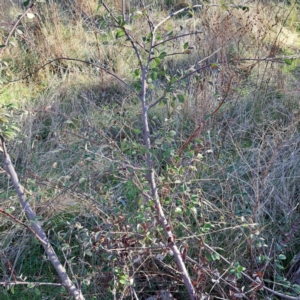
[
  {"x": 10, "y": 267},
  {"x": 33, "y": 284},
  {"x": 21, "y": 223},
  {"x": 81, "y": 61},
  {"x": 14, "y": 28},
  {"x": 177, "y": 37}
]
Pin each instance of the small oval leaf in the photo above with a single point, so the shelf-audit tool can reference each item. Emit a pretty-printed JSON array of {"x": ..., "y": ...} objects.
[{"x": 30, "y": 16}]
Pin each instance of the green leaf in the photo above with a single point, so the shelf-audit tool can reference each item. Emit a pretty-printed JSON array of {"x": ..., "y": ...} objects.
[
  {"x": 215, "y": 256},
  {"x": 186, "y": 45},
  {"x": 2, "y": 46},
  {"x": 240, "y": 269},
  {"x": 128, "y": 27},
  {"x": 296, "y": 287},
  {"x": 9, "y": 133},
  {"x": 193, "y": 210},
  {"x": 25, "y": 3},
  {"x": 10, "y": 209},
  {"x": 82, "y": 179},
  {"x": 88, "y": 252},
  {"x": 172, "y": 132},
  {"x": 120, "y": 33},
  {"x": 149, "y": 38},
  {"x": 137, "y": 131},
  {"x": 288, "y": 61},
  {"x": 123, "y": 281},
  {"x": 180, "y": 98},
  {"x": 178, "y": 210},
  {"x": 162, "y": 55},
  {"x": 207, "y": 226},
  {"x": 162, "y": 73},
  {"x": 164, "y": 101},
  {"x": 36, "y": 219},
  {"x": 154, "y": 76},
  {"x": 37, "y": 292},
  {"x": 207, "y": 117},
  {"x": 280, "y": 267},
  {"x": 20, "y": 32},
  {"x": 157, "y": 60},
  {"x": 281, "y": 257},
  {"x": 175, "y": 78},
  {"x": 120, "y": 21},
  {"x": 65, "y": 246},
  {"x": 11, "y": 106}
]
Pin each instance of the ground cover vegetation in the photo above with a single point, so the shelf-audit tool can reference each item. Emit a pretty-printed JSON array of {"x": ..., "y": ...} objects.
[{"x": 157, "y": 143}]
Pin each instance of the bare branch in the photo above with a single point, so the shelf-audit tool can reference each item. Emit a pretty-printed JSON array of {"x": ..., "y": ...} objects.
[
  {"x": 224, "y": 97},
  {"x": 81, "y": 61},
  {"x": 36, "y": 227},
  {"x": 21, "y": 223},
  {"x": 176, "y": 37},
  {"x": 33, "y": 284},
  {"x": 158, "y": 100}
]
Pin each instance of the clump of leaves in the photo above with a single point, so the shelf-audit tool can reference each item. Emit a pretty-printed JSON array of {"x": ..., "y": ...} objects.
[{"x": 8, "y": 128}]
